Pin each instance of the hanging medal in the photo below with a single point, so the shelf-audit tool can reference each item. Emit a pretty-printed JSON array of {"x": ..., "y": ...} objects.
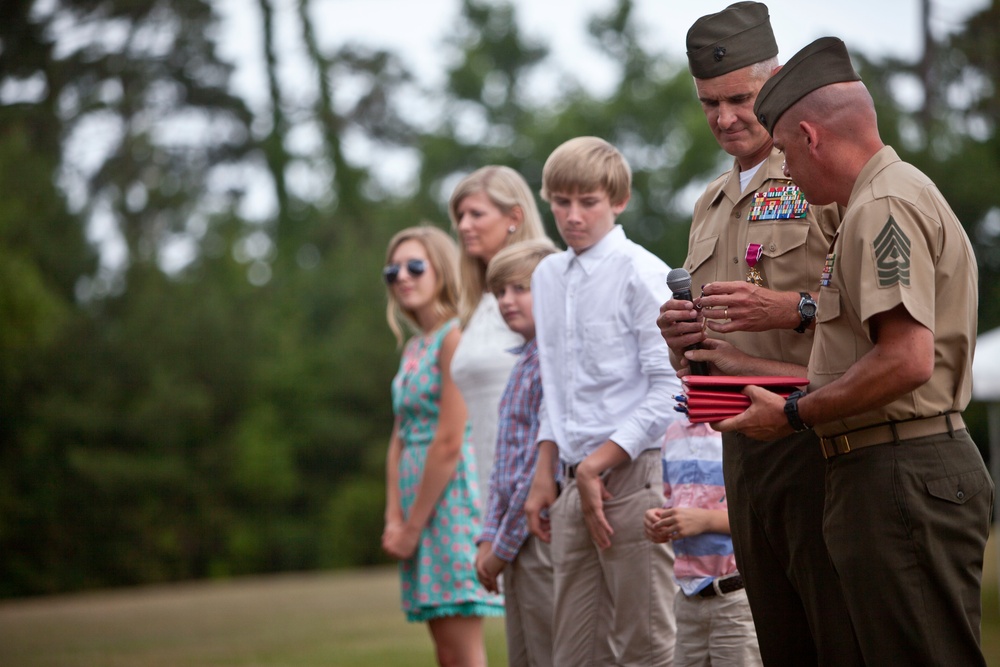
[{"x": 754, "y": 252}]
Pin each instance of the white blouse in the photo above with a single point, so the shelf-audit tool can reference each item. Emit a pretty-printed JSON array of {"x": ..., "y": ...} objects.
[{"x": 480, "y": 368}]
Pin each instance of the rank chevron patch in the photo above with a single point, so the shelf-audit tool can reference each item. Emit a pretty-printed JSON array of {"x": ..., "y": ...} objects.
[{"x": 892, "y": 255}]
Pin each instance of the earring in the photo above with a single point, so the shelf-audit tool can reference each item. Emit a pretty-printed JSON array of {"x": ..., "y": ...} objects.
[{"x": 512, "y": 229}]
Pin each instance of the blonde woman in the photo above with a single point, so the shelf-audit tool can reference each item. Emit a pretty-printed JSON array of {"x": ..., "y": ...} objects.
[
  {"x": 432, "y": 514},
  {"x": 490, "y": 209}
]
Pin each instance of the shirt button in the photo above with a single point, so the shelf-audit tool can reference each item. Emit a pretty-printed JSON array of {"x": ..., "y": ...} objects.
[
  {"x": 736, "y": 260},
  {"x": 960, "y": 495},
  {"x": 772, "y": 246},
  {"x": 736, "y": 214}
]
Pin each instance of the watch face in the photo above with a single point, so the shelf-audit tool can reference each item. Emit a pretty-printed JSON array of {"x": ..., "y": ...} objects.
[{"x": 808, "y": 309}]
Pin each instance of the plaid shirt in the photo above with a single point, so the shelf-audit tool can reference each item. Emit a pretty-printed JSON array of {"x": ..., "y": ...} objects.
[{"x": 506, "y": 525}]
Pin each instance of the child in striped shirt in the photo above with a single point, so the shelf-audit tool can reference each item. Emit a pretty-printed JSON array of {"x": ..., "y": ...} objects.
[{"x": 714, "y": 624}]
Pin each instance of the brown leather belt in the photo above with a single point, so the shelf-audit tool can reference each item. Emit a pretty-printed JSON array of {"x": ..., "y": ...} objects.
[{"x": 890, "y": 432}]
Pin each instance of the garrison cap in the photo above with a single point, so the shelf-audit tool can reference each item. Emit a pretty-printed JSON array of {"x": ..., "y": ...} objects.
[
  {"x": 819, "y": 64},
  {"x": 738, "y": 36}
]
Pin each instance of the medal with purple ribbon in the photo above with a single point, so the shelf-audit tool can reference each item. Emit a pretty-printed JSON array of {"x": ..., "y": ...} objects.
[{"x": 754, "y": 252}]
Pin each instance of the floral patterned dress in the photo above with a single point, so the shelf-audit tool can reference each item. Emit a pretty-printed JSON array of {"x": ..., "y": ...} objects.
[{"x": 439, "y": 580}]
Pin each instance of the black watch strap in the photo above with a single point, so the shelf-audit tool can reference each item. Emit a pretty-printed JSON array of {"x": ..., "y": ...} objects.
[{"x": 792, "y": 411}]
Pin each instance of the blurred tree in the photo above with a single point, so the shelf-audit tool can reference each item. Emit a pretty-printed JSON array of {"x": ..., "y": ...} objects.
[
  {"x": 499, "y": 113},
  {"x": 43, "y": 252},
  {"x": 150, "y": 135},
  {"x": 202, "y": 389},
  {"x": 948, "y": 129}
]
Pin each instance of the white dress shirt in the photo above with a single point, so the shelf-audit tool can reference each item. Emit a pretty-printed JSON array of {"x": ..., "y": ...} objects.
[{"x": 606, "y": 372}]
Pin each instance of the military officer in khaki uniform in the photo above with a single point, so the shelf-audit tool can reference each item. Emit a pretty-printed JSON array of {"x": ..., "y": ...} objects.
[
  {"x": 908, "y": 498},
  {"x": 757, "y": 248}
]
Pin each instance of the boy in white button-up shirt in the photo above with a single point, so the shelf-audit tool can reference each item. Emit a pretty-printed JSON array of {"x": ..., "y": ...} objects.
[{"x": 608, "y": 391}]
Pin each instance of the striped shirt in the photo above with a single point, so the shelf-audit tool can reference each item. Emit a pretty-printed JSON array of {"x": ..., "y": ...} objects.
[
  {"x": 516, "y": 454},
  {"x": 692, "y": 477}
]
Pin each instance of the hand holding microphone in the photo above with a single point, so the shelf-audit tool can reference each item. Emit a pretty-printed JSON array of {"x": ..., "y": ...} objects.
[{"x": 679, "y": 282}]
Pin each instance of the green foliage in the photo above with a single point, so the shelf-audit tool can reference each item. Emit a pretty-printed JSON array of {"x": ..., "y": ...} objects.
[
  {"x": 353, "y": 526},
  {"x": 230, "y": 415}
]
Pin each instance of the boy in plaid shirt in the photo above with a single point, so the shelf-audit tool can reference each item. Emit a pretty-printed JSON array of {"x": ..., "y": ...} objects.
[{"x": 506, "y": 545}]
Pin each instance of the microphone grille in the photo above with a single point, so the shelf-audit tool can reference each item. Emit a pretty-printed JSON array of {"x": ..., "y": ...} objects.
[{"x": 679, "y": 280}]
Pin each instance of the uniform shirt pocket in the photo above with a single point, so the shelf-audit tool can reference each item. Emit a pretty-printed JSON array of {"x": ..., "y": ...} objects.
[
  {"x": 833, "y": 352},
  {"x": 785, "y": 253},
  {"x": 700, "y": 252},
  {"x": 828, "y": 304}
]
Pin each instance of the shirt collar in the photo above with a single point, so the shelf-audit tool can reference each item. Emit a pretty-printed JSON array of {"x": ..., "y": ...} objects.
[
  {"x": 530, "y": 347},
  {"x": 595, "y": 254},
  {"x": 876, "y": 163},
  {"x": 770, "y": 169}
]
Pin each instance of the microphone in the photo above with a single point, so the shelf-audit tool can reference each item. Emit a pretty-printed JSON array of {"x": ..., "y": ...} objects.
[{"x": 679, "y": 282}]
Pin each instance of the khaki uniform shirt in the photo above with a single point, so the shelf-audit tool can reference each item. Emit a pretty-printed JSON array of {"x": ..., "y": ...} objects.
[
  {"x": 900, "y": 243},
  {"x": 724, "y": 225}
]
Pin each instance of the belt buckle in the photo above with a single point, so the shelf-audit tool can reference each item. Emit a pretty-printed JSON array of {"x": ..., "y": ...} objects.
[{"x": 838, "y": 444}]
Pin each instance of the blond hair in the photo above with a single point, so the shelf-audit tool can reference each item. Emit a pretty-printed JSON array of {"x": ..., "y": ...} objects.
[
  {"x": 442, "y": 253},
  {"x": 516, "y": 263},
  {"x": 507, "y": 190},
  {"x": 587, "y": 164}
]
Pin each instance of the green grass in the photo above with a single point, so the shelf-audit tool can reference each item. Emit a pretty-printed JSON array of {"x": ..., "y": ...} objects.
[{"x": 347, "y": 619}]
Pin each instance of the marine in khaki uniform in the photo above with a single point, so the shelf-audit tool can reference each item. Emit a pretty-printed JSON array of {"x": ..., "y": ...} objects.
[
  {"x": 908, "y": 497},
  {"x": 757, "y": 247}
]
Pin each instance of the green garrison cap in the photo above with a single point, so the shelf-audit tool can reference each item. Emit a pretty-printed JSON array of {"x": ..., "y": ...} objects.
[
  {"x": 819, "y": 64},
  {"x": 738, "y": 36}
]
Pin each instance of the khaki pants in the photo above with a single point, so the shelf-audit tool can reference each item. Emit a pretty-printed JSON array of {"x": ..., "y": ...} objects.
[
  {"x": 528, "y": 591},
  {"x": 715, "y": 631},
  {"x": 613, "y": 607}
]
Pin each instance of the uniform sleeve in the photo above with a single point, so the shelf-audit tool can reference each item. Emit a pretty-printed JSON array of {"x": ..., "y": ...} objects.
[{"x": 896, "y": 245}]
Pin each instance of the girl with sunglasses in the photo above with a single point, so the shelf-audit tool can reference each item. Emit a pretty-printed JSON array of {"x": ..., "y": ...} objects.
[
  {"x": 490, "y": 209},
  {"x": 432, "y": 504}
]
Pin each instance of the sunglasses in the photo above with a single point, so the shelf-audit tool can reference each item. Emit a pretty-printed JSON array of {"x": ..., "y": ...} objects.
[{"x": 415, "y": 267}]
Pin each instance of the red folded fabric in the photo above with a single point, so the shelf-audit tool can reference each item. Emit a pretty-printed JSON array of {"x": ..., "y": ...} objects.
[
  {"x": 711, "y": 398},
  {"x": 740, "y": 381}
]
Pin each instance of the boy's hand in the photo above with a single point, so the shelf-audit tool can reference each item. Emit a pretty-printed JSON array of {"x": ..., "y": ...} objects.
[
  {"x": 675, "y": 523},
  {"x": 655, "y": 531},
  {"x": 593, "y": 493},
  {"x": 540, "y": 499},
  {"x": 488, "y": 567}
]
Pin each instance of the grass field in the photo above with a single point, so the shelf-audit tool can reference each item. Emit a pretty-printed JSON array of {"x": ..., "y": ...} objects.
[{"x": 339, "y": 619}]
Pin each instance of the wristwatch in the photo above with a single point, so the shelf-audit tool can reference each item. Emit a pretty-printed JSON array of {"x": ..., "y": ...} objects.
[
  {"x": 807, "y": 311},
  {"x": 792, "y": 411}
]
